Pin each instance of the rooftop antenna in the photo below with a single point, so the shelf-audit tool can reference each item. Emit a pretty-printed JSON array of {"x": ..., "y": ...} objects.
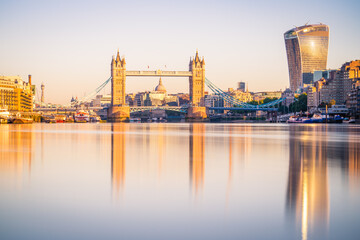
[{"x": 307, "y": 23}]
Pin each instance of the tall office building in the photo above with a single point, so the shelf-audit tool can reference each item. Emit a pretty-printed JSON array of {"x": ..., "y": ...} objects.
[
  {"x": 241, "y": 86},
  {"x": 307, "y": 50}
]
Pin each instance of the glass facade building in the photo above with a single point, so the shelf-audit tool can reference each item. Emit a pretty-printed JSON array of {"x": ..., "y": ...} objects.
[{"x": 307, "y": 50}]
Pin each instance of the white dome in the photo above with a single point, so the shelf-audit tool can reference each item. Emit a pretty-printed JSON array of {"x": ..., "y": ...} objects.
[{"x": 160, "y": 87}]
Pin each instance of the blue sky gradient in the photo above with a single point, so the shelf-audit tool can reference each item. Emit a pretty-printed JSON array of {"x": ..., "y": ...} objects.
[{"x": 68, "y": 44}]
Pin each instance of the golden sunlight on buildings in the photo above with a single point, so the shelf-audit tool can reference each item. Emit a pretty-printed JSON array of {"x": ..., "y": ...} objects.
[
  {"x": 354, "y": 69},
  {"x": 16, "y": 94},
  {"x": 197, "y": 154}
]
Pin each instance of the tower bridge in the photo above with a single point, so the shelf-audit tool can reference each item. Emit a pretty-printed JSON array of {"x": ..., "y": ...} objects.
[{"x": 119, "y": 111}]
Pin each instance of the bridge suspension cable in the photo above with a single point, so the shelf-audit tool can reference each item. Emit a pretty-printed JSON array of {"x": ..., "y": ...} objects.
[
  {"x": 225, "y": 96},
  {"x": 230, "y": 99},
  {"x": 93, "y": 93}
]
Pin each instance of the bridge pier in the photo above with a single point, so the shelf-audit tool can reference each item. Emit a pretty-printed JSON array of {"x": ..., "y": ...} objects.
[
  {"x": 119, "y": 114},
  {"x": 196, "y": 113}
]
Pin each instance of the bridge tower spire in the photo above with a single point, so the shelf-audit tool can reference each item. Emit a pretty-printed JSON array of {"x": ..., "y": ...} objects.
[
  {"x": 118, "y": 110},
  {"x": 197, "y": 87}
]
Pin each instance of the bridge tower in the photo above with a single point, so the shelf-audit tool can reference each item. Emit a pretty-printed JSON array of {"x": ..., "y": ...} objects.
[
  {"x": 118, "y": 111},
  {"x": 197, "y": 88}
]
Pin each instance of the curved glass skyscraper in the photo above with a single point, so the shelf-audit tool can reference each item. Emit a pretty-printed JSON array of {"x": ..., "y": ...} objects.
[{"x": 307, "y": 50}]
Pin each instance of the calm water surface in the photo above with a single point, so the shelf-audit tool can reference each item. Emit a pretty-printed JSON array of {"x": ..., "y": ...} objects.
[{"x": 179, "y": 181}]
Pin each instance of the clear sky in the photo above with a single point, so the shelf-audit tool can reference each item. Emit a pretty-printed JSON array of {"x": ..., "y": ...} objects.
[{"x": 68, "y": 45}]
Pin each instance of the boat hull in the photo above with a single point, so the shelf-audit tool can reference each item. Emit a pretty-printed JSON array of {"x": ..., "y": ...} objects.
[{"x": 22, "y": 120}]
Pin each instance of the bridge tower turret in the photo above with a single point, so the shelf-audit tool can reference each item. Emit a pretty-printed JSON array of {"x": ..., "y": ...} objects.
[
  {"x": 118, "y": 110},
  {"x": 197, "y": 87}
]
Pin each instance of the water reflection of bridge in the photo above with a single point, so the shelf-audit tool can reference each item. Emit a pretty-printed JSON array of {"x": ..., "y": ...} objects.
[
  {"x": 118, "y": 148},
  {"x": 307, "y": 193},
  {"x": 196, "y": 156},
  {"x": 119, "y": 142}
]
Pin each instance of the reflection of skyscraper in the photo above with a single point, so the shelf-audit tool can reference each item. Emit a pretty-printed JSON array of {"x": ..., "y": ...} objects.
[
  {"x": 307, "y": 49},
  {"x": 353, "y": 164},
  {"x": 118, "y": 155},
  {"x": 307, "y": 193},
  {"x": 196, "y": 149}
]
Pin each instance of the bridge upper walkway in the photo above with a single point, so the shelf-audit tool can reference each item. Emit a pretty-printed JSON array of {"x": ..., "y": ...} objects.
[{"x": 158, "y": 73}]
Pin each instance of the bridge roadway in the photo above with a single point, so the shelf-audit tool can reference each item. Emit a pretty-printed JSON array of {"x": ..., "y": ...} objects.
[
  {"x": 158, "y": 73},
  {"x": 68, "y": 109},
  {"x": 243, "y": 108},
  {"x": 148, "y": 108},
  {"x": 132, "y": 109}
]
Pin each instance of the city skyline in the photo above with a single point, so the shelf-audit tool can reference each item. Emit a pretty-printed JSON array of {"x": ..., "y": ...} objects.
[{"x": 68, "y": 46}]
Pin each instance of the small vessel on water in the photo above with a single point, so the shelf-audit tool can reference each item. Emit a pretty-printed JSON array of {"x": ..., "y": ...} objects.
[
  {"x": 351, "y": 120},
  {"x": 4, "y": 113},
  {"x": 294, "y": 119},
  {"x": 135, "y": 120},
  {"x": 317, "y": 118},
  {"x": 306, "y": 120},
  {"x": 95, "y": 119},
  {"x": 22, "y": 120},
  {"x": 60, "y": 118},
  {"x": 19, "y": 119},
  {"x": 48, "y": 119},
  {"x": 337, "y": 119},
  {"x": 298, "y": 119},
  {"x": 82, "y": 116}
]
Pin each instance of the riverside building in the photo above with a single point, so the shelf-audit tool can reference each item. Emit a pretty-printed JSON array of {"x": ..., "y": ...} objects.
[
  {"x": 243, "y": 96},
  {"x": 353, "y": 101},
  {"x": 307, "y": 50},
  {"x": 259, "y": 96},
  {"x": 158, "y": 97},
  {"x": 16, "y": 95},
  {"x": 338, "y": 87}
]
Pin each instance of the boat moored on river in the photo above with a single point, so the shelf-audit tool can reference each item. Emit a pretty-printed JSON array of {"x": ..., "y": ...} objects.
[{"x": 82, "y": 116}]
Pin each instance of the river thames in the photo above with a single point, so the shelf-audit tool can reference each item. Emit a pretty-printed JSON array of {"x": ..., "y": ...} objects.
[{"x": 179, "y": 181}]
